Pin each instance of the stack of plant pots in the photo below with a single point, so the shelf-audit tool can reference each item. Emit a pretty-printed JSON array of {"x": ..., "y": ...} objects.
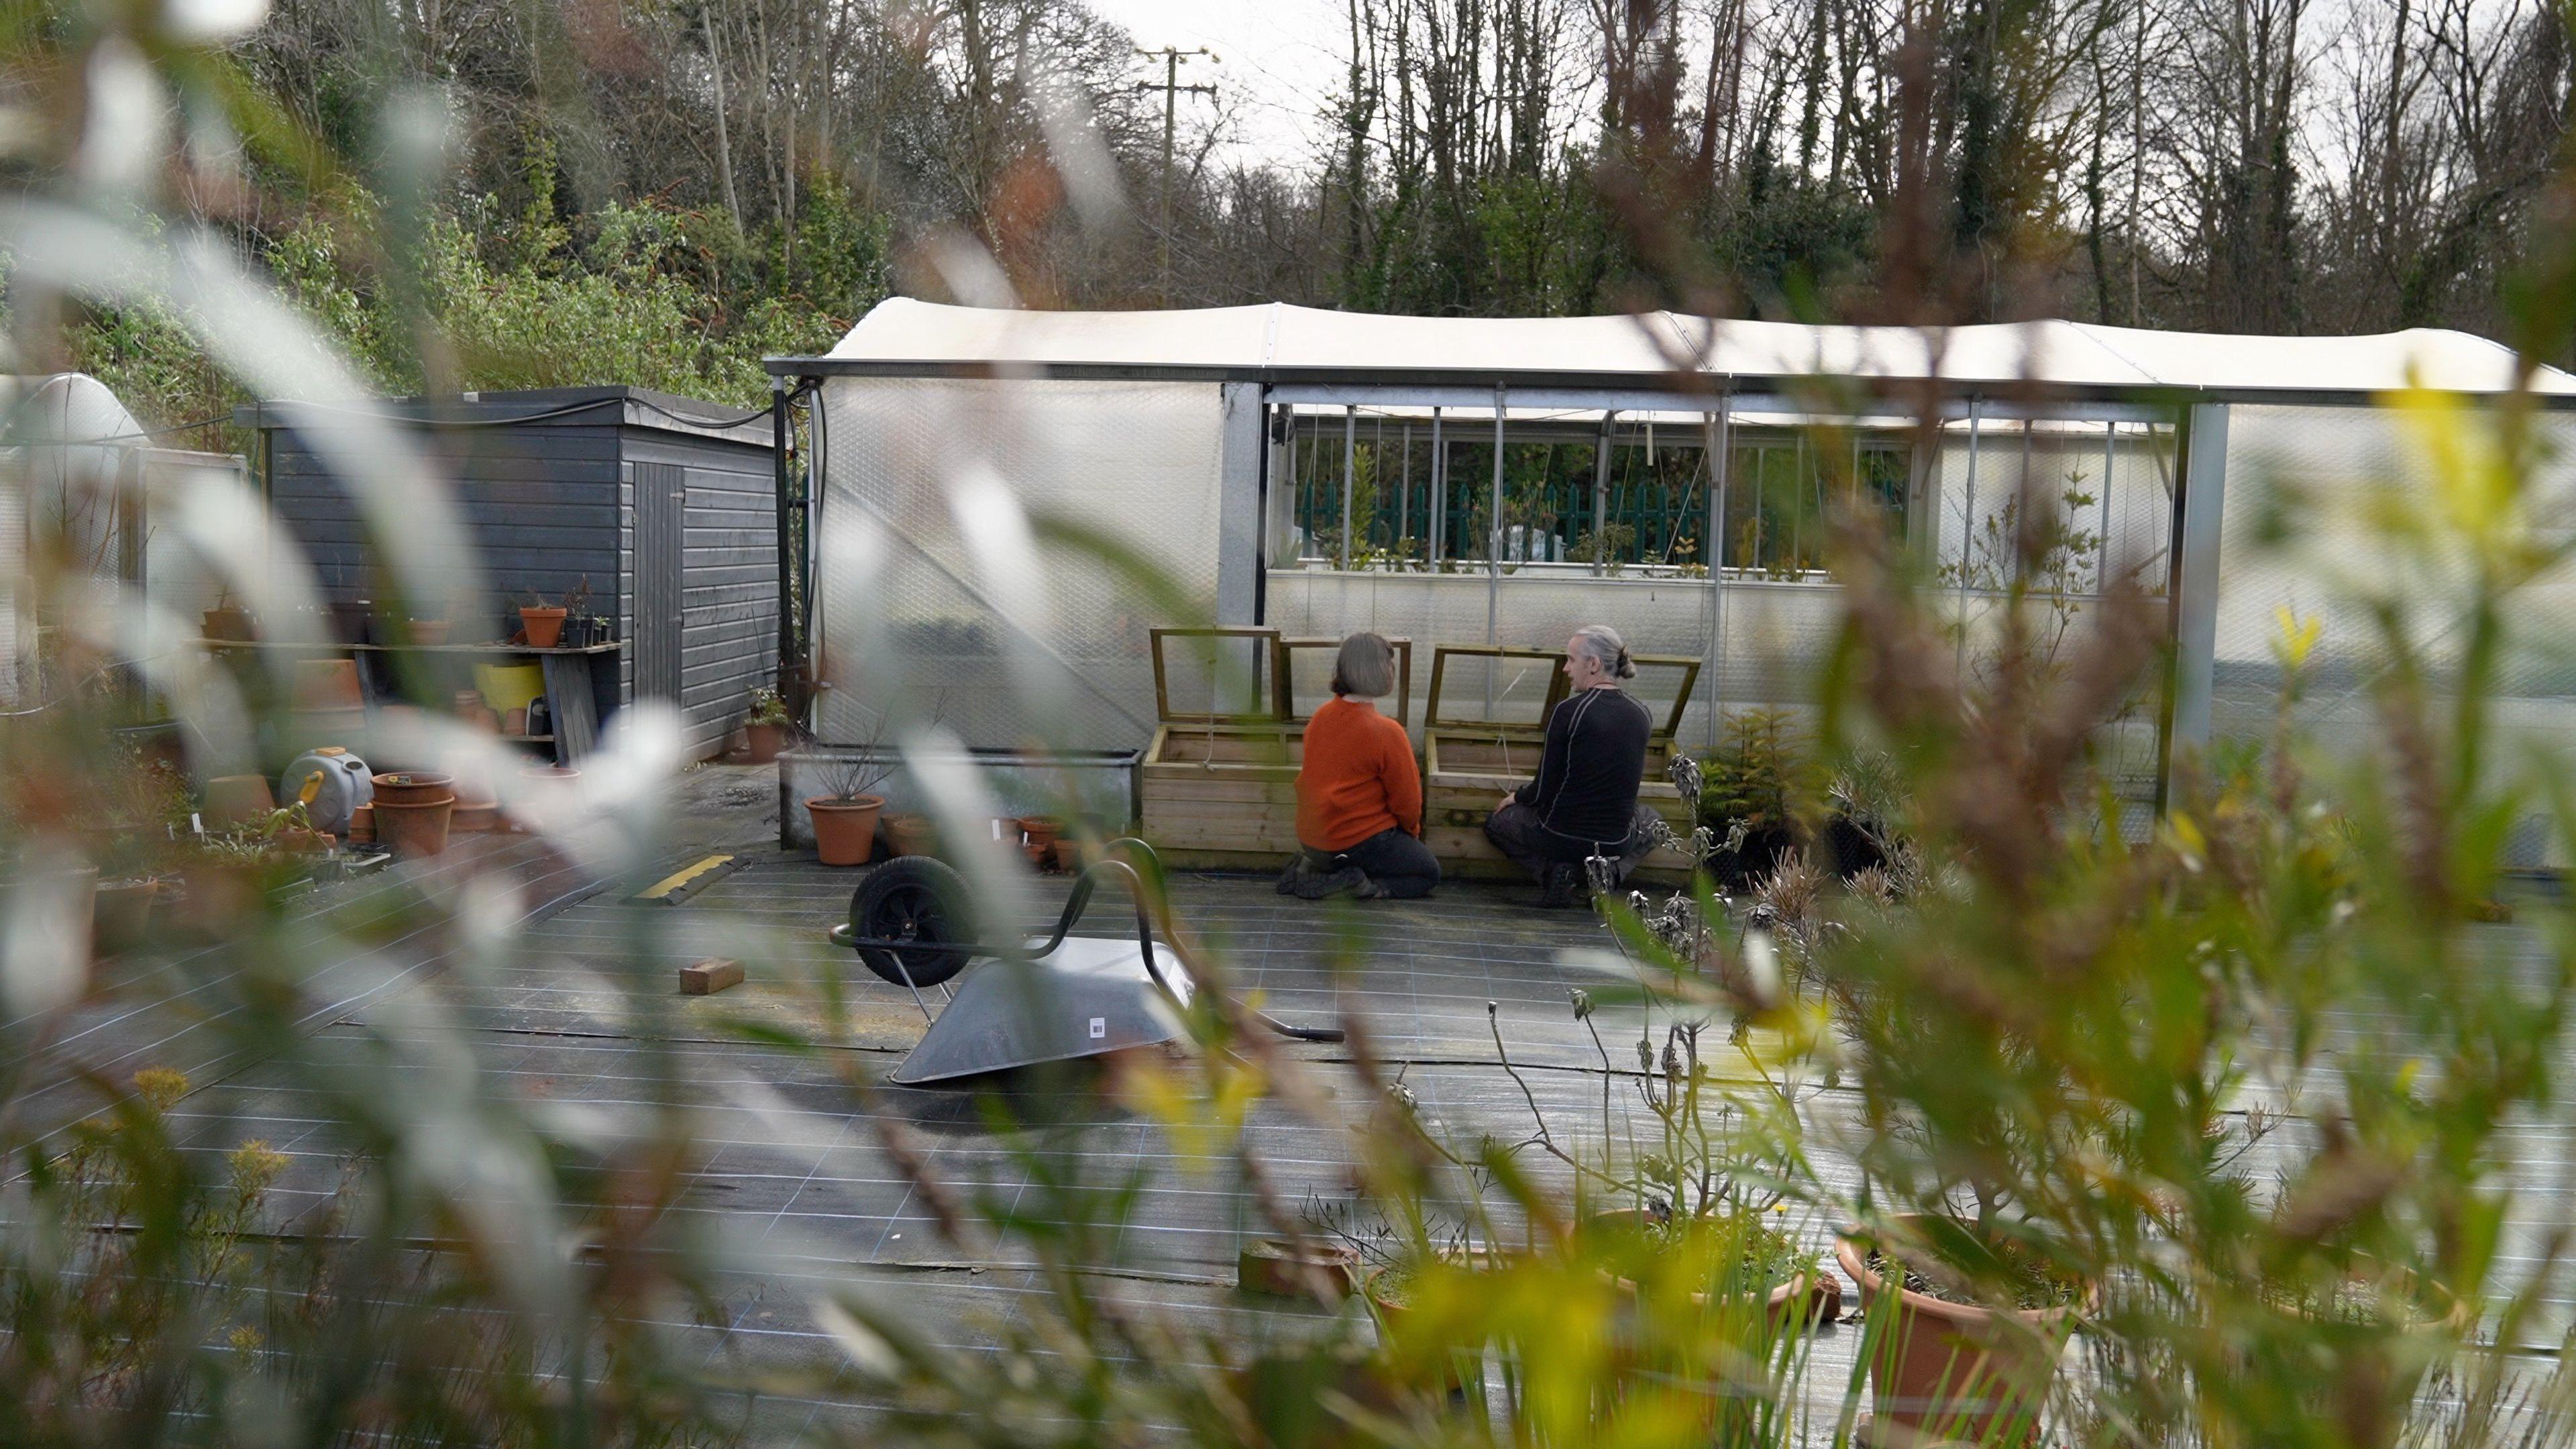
[
  {"x": 329, "y": 707},
  {"x": 412, "y": 811}
]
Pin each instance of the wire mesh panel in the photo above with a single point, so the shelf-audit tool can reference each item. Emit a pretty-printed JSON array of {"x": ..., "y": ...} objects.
[
  {"x": 933, "y": 593},
  {"x": 2339, "y": 515}
]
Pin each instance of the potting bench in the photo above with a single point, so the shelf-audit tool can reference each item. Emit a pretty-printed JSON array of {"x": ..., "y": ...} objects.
[{"x": 580, "y": 680}]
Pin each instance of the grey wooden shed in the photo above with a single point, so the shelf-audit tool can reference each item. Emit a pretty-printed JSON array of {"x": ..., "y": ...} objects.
[{"x": 665, "y": 505}]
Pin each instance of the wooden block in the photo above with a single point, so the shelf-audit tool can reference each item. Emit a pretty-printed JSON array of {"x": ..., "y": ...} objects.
[{"x": 710, "y": 976}]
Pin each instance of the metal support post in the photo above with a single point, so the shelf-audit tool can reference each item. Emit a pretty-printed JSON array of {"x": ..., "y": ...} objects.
[
  {"x": 1439, "y": 491},
  {"x": 1601, "y": 495},
  {"x": 1720, "y": 426},
  {"x": 1968, "y": 536},
  {"x": 2200, "y": 505},
  {"x": 1350, "y": 474}
]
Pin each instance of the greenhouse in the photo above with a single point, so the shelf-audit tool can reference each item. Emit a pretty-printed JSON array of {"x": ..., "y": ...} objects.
[{"x": 1460, "y": 481}]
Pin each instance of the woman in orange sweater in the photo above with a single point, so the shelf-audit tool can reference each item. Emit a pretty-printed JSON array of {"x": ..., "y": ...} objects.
[{"x": 1359, "y": 795}]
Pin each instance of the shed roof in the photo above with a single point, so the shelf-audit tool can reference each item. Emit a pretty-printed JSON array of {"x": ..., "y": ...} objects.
[
  {"x": 588, "y": 407},
  {"x": 1280, "y": 343}
]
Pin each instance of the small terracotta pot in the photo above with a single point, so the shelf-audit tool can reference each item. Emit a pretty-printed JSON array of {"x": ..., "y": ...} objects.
[
  {"x": 845, "y": 830},
  {"x": 544, "y": 626},
  {"x": 1040, "y": 831},
  {"x": 475, "y": 713},
  {"x": 412, "y": 787},
  {"x": 234, "y": 799},
  {"x": 414, "y": 828},
  {"x": 474, "y": 791},
  {"x": 327, "y": 684},
  {"x": 362, "y": 824},
  {"x": 302, "y": 842},
  {"x": 761, "y": 743},
  {"x": 229, "y": 623},
  {"x": 426, "y": 631},
  {"x": 515, "y": 723},
  {"x": 912, "y": 835},
  {"x": 1959, "y": 1370},
  {"x": 474, "y": 819}
]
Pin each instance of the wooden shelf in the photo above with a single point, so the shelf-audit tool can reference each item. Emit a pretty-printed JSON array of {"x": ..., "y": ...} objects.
[{"x": 611, "y": 647}]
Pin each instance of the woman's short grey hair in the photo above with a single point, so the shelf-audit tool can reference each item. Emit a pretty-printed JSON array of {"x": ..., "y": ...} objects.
[
  {"x": 1603, "y": 643},
  {"x": 1365, "y": 667}
]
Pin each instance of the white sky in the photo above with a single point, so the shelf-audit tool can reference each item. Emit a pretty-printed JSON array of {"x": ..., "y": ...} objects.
[{"x": 1278, "y": 64}]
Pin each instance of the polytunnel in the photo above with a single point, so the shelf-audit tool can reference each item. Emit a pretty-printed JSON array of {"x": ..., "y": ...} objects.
[
  {"x": 83, "y": 487},
  {"x": 1500, "y": 481}
]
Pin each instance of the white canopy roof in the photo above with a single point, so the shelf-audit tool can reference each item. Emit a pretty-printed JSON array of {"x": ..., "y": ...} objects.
[{"x": 1281, "y": 343}]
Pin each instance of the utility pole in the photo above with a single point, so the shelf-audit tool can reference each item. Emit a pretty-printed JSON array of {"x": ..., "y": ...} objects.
[{"x": 1172, "y": 89}]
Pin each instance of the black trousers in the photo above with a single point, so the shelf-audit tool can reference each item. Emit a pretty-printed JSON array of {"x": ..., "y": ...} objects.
[
  {"x": 1516, "y": 832},
  {"x": 1399, "y": 862}
]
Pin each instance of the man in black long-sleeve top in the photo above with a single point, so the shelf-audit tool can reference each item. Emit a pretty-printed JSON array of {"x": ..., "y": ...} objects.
[{"x": 1584, "y": 801}]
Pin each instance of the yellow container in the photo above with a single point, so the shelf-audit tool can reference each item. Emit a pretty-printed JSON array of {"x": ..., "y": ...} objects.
[{"x": 509, "y": 686}]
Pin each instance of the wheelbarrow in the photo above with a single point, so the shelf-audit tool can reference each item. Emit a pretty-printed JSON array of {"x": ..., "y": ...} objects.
[{"x": 1057, "y": 999}]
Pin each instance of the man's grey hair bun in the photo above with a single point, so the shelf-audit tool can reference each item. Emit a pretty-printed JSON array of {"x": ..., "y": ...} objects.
[{"x": 1603, "y": 643}]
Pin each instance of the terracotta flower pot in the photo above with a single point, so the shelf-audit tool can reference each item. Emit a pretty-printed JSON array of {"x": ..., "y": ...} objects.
[
  {"x": 912, "y": 835},
  {"x": 426, "y": 631},
  {"x": 1041, "y": 832},
  {"x": 845, "y": 830},
  {"x": 413, "y": 828},
  {"x": 514, "y": 723},
  {"x": 235, "y": 799},
  {"x": 327, "y": 684},
  {"x": 412, "y": 787},
  {"x": 362, "y": 824},
  {"x": 474, "y": 819},
  {"x": 544, "y": 626},
  {"x": 302, "y": 842},
  {"x": 229, "y": 623},
  {"x": 477, "y": 715},
  {"x": 761, "y": 743},
  {"x": 1958, "y": 1370},
  {"x": 474, "y": 790}
]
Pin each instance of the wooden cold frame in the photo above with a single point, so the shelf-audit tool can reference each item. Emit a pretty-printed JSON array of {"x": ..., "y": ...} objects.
[
  {"x": 1218, "y": 790},
  {"x": 1468, "y": 765}
]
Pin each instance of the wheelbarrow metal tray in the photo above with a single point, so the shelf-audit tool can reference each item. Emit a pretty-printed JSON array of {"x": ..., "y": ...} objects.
[{"x": 1088, "y": 997}]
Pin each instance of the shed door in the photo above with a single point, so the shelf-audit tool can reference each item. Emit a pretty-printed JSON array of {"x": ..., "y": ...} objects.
[{"x": 661, "y": 493}]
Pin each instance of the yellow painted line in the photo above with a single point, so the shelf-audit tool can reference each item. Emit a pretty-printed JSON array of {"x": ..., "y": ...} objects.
[{"x": 669, "y": 883}]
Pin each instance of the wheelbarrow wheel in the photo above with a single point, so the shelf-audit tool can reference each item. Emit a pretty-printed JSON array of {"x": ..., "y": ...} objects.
[{"x": 918, "y": 899}]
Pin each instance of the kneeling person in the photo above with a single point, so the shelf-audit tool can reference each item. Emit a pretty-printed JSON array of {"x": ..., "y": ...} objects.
[
  {"x": 1359, "y": 794},
  {"x": 1584, "y": 801}
]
